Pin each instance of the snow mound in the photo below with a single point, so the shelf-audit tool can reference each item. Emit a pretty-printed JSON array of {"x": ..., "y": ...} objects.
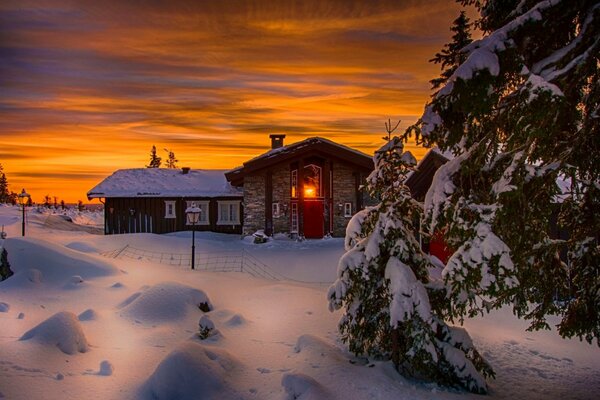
[
  {"x": 106, "y": 368},
  {"x": 302, "y": 387},
  {"x": 235, "y": 321},
  {"x": 4, "y": 307},
  {"x": 88, "y": 315},
  {"x": 315, "y": 345},
  {"x": 62, "y": 330},
  {"x": 34, "y": 275},
  {"x": 193, "y": 371},
  {"x": 39, "y": 261},
  {"x": 75, "y": 282},
  {"x": 81, "y": 247},
  {"x": 166, "y": 301}
]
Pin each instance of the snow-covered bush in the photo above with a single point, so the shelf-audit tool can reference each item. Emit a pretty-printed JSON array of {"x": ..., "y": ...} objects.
[
  {"x": 391, "y": 306},
  {"x": 206, "y": 327}
]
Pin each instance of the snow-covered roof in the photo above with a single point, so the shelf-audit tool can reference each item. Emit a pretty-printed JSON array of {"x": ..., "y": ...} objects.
[
  {"x": 274, "y": 155},
  {"x": 306, "y": 142},
  {"x": 164, "y": 182}
]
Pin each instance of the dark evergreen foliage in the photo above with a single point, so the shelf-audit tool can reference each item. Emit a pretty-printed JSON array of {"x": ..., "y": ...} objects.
[
  {"x": 5, "y": 271},
  {"x": 452, "y": 55},
  {"x": 154, "y": 159},
  {"x": 392, "y": 307},
  {"x": 171, "y": 161},
  {"x": 522, "y": 116}
]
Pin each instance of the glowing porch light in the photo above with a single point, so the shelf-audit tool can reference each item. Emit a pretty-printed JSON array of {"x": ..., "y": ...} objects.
[{"x": 309, "y": 191}]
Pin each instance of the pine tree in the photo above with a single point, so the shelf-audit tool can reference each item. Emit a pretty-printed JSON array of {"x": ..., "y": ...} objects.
[
  {"x": 522, "y": 116},
  {"x": 452, "y": 55},
  {"x": 4, "y": 193},
  {"x": 171, "y": 161},
  {"x": 392, "y": 309},
  {"x": 154, "y": 159}
]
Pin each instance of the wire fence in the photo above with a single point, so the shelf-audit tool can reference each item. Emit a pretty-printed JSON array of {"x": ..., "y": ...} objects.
[{"x": 231, "y": 261}]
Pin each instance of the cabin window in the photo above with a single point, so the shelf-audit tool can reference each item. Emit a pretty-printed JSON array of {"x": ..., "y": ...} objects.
[
  {"x": 294, "y": 216},
  {"x": 276, "y": 210},
  {"x": 170, "y": 209},
  {"x": 294, "y": 183},
  {"x": 229, "y": 213},
  {"x": 347, "y": 209},
  {"x": 204, "y": 212},
  {"x": 312, "y": 181}
]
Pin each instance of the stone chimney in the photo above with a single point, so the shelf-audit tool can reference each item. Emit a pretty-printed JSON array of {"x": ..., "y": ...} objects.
[
  {"x": 276, "y": 141},
  {"x": 185, "y": 170}
]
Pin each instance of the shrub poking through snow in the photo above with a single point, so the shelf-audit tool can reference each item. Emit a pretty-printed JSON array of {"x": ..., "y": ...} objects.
[
  {"x": 206, "y": 327},
  {"x": 392, "y": 308}
]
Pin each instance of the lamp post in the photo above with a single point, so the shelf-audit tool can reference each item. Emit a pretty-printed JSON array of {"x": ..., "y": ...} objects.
[
  {"x": 193, "y": 215},
  {"x": 23, "y": 200}
]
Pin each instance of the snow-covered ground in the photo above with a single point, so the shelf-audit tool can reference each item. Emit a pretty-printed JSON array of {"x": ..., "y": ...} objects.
[{"x": 76, "y": 324}]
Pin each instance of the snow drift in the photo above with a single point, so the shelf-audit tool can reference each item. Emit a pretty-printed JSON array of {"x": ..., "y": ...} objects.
[
  {"x": 62, "y": 330},
  {"x": 193, "y": 371},
  {"x": 164, "y": 302},
  {"x": 37, "y": 261}
]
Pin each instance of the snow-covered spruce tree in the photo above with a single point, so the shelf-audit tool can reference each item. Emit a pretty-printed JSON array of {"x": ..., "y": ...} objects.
[
  {"x": 451, "y": 56},
  {"x": 154, "y": 159},
  {"x": 520, "y": 202},
  {"x": 383, "y": 284}
]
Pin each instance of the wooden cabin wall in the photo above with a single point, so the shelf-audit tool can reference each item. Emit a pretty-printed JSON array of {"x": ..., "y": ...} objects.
[{"x": 147, "y": 215}]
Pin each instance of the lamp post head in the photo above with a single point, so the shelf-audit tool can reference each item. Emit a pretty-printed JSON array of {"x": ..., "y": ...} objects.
[
  {"x": 193, "y": 212},
  {"x": 23, "y": 197}
]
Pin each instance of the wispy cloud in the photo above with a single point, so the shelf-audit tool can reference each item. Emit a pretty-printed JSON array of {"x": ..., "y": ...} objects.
[{"x": 98, "y": 83}]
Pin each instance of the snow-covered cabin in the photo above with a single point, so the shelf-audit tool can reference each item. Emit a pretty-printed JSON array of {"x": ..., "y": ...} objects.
[
  {"x": 154, "y": 200},
  {"x": 310, "y": 188}
]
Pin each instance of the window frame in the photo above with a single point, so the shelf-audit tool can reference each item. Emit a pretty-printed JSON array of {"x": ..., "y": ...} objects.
[
  {"x": 294, "y": 217},
  {"x": 276, "y": 210},
  {"x": 294, "y": 184},
  {"x": 171, "y": 213},
  {"x": 347, "y": 210},
  {"x": 228, "y": 203}
]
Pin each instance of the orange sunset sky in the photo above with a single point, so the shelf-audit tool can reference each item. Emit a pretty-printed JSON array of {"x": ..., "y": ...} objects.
[{"x": 87, "y": 87}]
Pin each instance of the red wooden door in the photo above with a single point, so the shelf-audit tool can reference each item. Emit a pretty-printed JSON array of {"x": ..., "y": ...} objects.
[
  {"x": 439, "y": 248},
  {"x": 313, "y": 219}
]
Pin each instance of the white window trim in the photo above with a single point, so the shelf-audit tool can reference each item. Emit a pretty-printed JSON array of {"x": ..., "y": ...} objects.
[
  {"x": 203, "y": 205},
  {"x": 173, "y": 213},
  {"x": 276, "y": 210},
  {"x": 294, "y": 218},
  {"x": 347, "y": 210},
  {"x": 227, "y": 203}
]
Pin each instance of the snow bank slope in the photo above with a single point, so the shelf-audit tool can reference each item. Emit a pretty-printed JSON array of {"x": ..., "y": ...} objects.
[{"x": 54, "y": 264}]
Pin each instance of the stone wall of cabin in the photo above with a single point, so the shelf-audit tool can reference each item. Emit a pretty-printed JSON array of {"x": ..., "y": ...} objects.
[
  {"x": 343, "y": 192},
  {"x": 281, "y": 195},
  {"x": 254, "y": 203}
]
